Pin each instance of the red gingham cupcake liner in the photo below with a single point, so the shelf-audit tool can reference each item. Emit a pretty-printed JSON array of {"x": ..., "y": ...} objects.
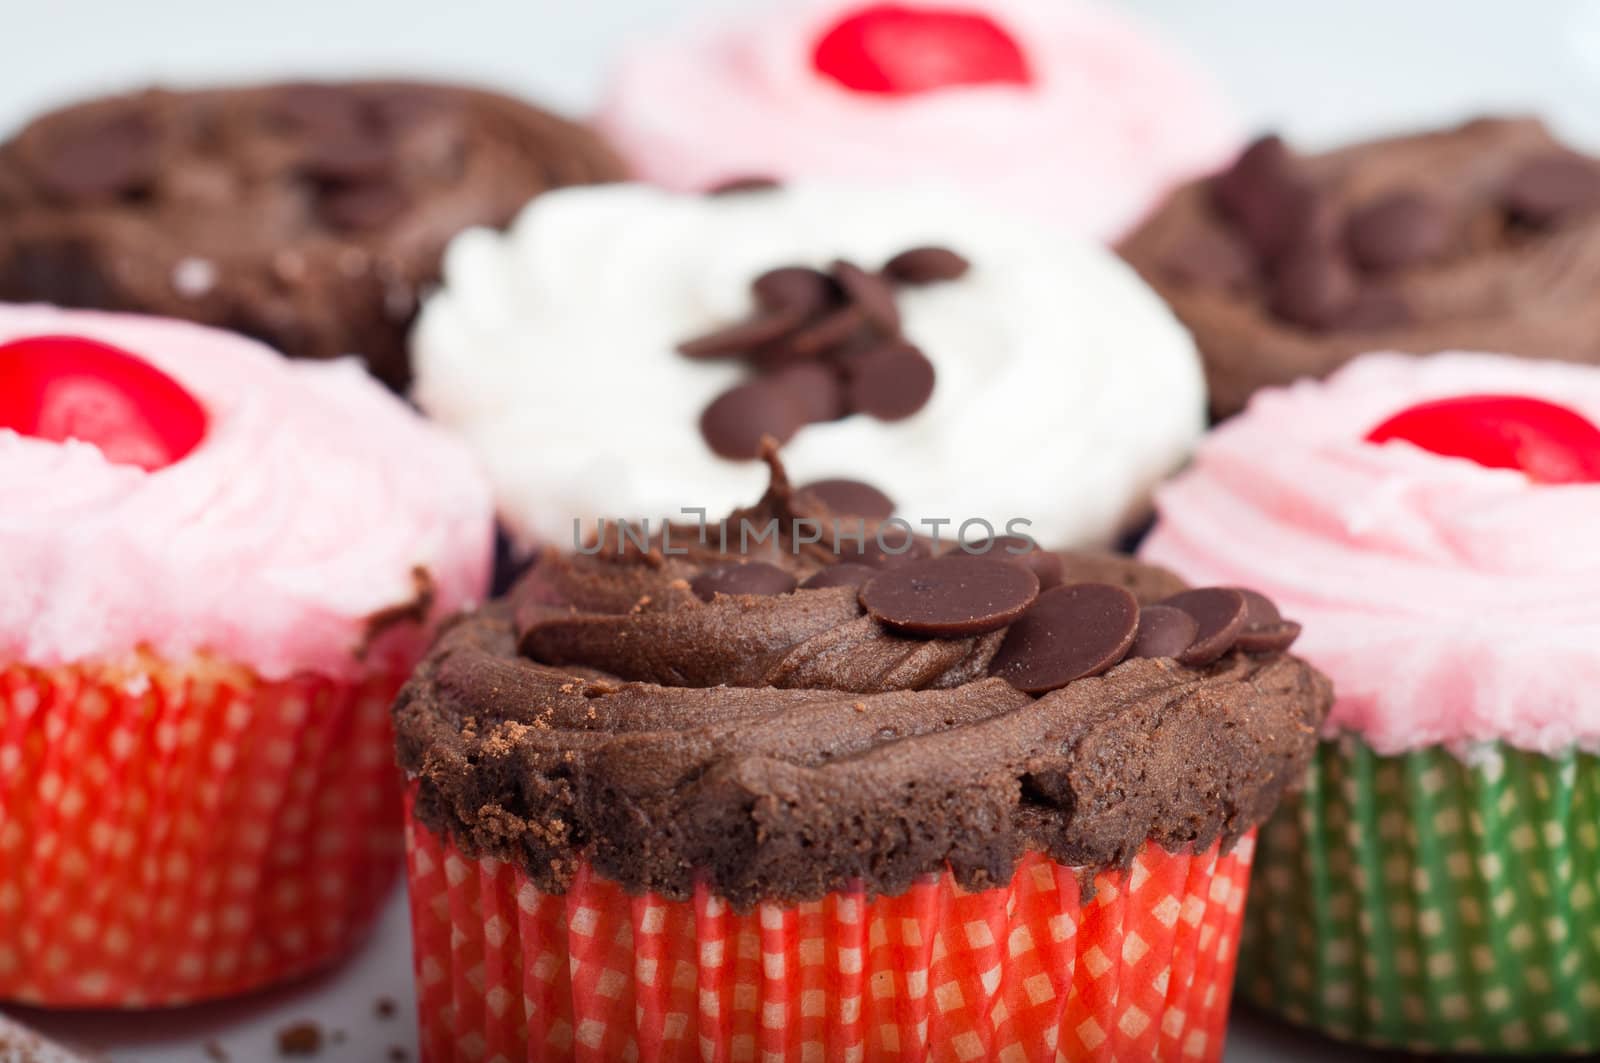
[
  {"x": 1028, "y": 972},
  {"x": 171, "y": 833}
]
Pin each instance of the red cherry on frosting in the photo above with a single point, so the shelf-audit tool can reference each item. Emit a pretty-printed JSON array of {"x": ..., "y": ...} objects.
[
  {"x": 894, "y": 50},
  {"x": 1550, "y": 443},
  {"x": 68, "y": 387}
]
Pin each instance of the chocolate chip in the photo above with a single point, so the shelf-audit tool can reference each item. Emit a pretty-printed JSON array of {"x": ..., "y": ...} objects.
[
  {"x": 1265, "y": 630},
  {"x": 1207, "y": 257},
  {"x": 1265, "y": 197},
  {"x": 734, "y": 186},
  {"x": 360, "y": 206},
  {"x": 845, "y": 353},
  {"x": 1259, "y": 610},
  {"x": 953, "y": 596},
  {"x": 814, "y": 390},
  {"x": 926, "y": 265},
  {"x": 890, "y": 383},
  {"x": 825, "y": 332},
  {"x": 110, "y": 157},
  {"x": 1373, "y": 309},
  {"x": 736, "y": 421},
  {"x": 1543, "y": 191},
  {"x": 1164, "y": 631},
  {"x": 741, "y": 337},
  {"x": 398, "y": 108},
  {"x": 871, "y": 293},
  {"x": 1312, "y": 287},
  {"x": 1272, "y": 638},
  {"x": 851, "y": 498},
  {"x": 742, "y": 577},
  {"x": 1044, "y": 564},
  {"x": 1220, "y": 612},
  {"x": 1071, "y": 632},
  {"x": 1399, "y": 230},
  {"x": 323, "y": 111},
  {"x": 844, "y": 574},
  {"x": 793, "y": 288},
  {"x": 1265, "y": 162},
  {"x": 347, "y": 158}
]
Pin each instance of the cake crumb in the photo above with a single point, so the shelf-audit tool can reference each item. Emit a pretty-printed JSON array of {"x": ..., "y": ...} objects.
[
  {"x": 386, "y": 1008},
  {"x": 398, "y": 1054},
  {"x": 215, "y": 1052},
  {"x": 301, "y": 1039}
]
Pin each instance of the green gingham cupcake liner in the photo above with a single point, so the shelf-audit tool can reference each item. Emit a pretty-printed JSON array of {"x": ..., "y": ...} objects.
[{"x": 1433, "y": 902}]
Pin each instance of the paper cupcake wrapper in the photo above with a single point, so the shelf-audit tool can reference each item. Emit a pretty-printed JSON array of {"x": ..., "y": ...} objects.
[
  {"x": 1023, "y": 973},
  {"x": 1424, "y": 902},
  {"x": 172, "y": 833}
]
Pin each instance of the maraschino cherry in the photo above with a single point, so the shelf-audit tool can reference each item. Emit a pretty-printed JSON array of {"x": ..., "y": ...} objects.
[
  {"x": 1550, "y": 443},
  {"x": 67, "y": 387},
  {"x": 896, "y": 50}
]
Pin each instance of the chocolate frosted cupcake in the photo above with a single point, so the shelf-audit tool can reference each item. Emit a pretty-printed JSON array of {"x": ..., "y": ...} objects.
[
  {"x": 306, "y": 215},
  {"x": 826, "y": 800},
  {"x": 1483, "y": 237}
]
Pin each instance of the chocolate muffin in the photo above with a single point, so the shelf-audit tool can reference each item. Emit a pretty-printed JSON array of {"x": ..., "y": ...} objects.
[
  {"x": 821, "y": 717},
  {"x": 306, "y": 215},
  {"x": 1483, "y": 237}
]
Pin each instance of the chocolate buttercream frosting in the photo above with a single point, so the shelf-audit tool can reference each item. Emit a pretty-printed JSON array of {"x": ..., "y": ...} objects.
[
  {"x": 1482, "y": 237},
  {"x": 308, "y": 215},
  {"x": 681, "y": 713}
]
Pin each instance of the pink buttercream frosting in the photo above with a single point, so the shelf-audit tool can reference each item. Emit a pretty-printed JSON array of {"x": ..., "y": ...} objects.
[
  {"x": 1452, "y": 604},
  {"x": 1114, "y": 117},
  {"x": 303, "y": 512}
]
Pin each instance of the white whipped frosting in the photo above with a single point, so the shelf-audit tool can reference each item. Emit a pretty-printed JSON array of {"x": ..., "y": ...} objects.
[{"x": 1065, "y": 389}]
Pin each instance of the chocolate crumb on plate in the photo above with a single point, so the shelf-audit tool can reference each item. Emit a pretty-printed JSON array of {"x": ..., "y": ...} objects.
[{"x": 300, "y": 1039}]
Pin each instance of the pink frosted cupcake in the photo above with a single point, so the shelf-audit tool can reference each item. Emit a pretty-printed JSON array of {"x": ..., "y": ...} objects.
[
  {"x": 218, "y": 567},
  {"x": 1431, "y": 522},
  {"x": 1066, "y": 110}
]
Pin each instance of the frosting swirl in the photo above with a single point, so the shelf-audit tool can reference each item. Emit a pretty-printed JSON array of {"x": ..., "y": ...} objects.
[
  {"x": 1485, "y": 236},
  {"x": 1451, "y": 604},
  {"x": 552, "y": 350},
  {"x": 1112, "y": 118},
  {"x": 781, "y": 745},
  {"x": 305, "y": 514}
]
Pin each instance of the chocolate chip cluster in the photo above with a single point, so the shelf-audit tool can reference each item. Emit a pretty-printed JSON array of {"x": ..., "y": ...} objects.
[
  {"x": 1329, "y": 269},
  {"x": 1055, "y": 632},
  {"x": 823, "y": 345}
]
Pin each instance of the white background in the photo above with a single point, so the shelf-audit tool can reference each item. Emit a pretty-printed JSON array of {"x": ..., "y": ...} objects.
[{"x": 1319, "y": 72}]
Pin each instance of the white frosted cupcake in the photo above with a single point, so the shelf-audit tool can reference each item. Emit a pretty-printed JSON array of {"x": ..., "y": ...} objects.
[{"x": 1001, "y": 372}]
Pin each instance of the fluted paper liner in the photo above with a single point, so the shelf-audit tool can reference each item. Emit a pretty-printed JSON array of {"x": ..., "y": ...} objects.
[
  {"x": 1432, "y": 902},
  {"x": 507, "y": 973},
  {"x": 173, "y": 833}
]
